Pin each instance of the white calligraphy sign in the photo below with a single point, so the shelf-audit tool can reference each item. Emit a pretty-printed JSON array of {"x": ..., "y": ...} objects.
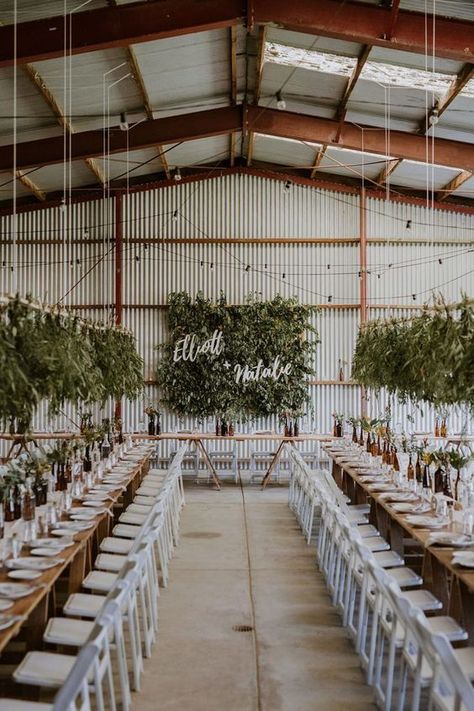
[{"x": 189, "y": 348}]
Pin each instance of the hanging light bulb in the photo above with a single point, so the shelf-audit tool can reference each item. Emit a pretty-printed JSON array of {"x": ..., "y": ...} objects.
[
  {"x": 287, "y": 186},
  {"x": 177, "y": 174},
  {"x": 433, "y": 118},
  {"x": 329, "y": 299},
  {"x": 175, "y": 216},
  {"x": 86, "y": 233},
  {"x": 408, "y": 225},
  {"x": 281, "y": 103},
  {"x": 62, "y": 206},
  {"x": 123, "y": 121}
]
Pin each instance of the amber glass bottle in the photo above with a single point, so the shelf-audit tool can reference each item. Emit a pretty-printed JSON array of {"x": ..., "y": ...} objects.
[
  {"x": 418, "y": 473},
  {"x": 410, "y": 470}
]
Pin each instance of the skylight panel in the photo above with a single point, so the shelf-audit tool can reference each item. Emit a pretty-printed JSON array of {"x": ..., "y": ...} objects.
[
  {"x": 308, "y": 59},
  {"x": 393, "y": 75}
]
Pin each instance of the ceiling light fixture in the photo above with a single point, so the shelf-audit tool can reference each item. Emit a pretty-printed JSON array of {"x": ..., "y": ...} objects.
[
  {"x": 433, "y": 118},
  {"x": 123, "y": 121},
  {"x": 281, "y": 103},
  {"x": 177, "y": 175}
]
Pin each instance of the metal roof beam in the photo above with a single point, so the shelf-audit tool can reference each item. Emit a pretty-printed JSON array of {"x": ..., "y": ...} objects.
[
  {"x": 230, "y": 119},
  {"x": 87, "y": 144},
  {"x": 371, "y": 24},
  {"x": 317, "y": 160},
  {"x": 31, "y": 186},
  {"x": 351, "y": 82},
  {"x": 313, "y": 129},
  {"x": 118, "y": 26},
  {"x": 454, "y": 184}
]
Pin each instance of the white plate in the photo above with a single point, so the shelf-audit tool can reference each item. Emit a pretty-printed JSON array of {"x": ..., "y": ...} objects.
[
  {"x": 33, "y": 563},
  {"x": 86, "y": 515},
  {"x": 7, "y": 621},
  {"x": 445, "y": 538},
  {"x": 63, "y": 532},
  {"x": 402, "y": 507},
  {"x": 464, "y": 558},
  {"x": 426, "y": 521},
  {"x": 40, "y": 542},
  {"x": 382, "y": 487},
  {"x": 15, "y": 591},
  {"x": 47, "y": 551},
  {"x": 93, "y": 504},
  {"x": 24, "y": 574},
  {"x": 5, "y": 605},
  {"x": 401, "y": 496},
  {"x": 75, "y": 526}
]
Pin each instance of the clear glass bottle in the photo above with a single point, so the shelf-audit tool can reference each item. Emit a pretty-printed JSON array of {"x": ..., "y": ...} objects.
[{"x": 28, "y": 501}]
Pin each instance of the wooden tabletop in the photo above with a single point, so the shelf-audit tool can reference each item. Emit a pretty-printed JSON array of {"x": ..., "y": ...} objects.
[
  {"x": 74, "y": 557},
  {"x": 243, "y": 437},
  {"x": 443, "y": 555}
]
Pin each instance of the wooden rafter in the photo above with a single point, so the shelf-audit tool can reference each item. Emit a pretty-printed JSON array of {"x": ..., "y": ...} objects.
[
  {"x": 30, "y": 185},
  {"x": 35, "y": 77},
  {"x": 454, "y": 184},
  {"x": 140, "y": 82},
  {"x": 387, "y": 170},
  {"x": 457, "y": 85},
  {"x": 351, "y": 82},
  {"x": 258, "y": 84},
  {"x": 233, "y": 86},
  {"x": 317, "y": 160}
]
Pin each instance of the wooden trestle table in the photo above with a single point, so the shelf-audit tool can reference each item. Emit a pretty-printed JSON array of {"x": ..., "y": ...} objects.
[
  {"x": 198, "y": 439},
  {"x": 35, "y": 609},
  {"x": 451, "y": 584}
]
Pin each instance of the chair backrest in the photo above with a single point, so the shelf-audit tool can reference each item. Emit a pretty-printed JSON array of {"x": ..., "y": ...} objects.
[
  {"x": 74, "y": 694},
  {"x": 451, "y": 687}
]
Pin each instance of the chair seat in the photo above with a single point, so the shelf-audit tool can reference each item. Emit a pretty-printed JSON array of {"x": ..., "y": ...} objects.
[
  {"x": 83, "y": 605},
  {"x": 139, "y": 508},
  {"x": 465, "y": 658},
  {"x": 135, "y": 519},
  {"x": 376, "y": 543},
  {"x": 18, "y": 705},
  {"x": 144, "y": 500},
  {"x": 124, "y": 530},
  {"x": 360, "y": 508},
  {"x": 405, "y": 577},
  {"x": 44, "y": 669},
  {"x": 388, "y": 559},
  {"x": 356, "y": 517},
  {"x": 423, "y": 599},
  {"x": 110, "y": 544},
  {"x": 150, "y": 491},
  {"x": 367, "y": 530},
  {"x": 99, "y": 580},
  {"x": 442, "y": 624},
  {"x": 110, "y": 561},
  {"x": 68, "y": 631}
]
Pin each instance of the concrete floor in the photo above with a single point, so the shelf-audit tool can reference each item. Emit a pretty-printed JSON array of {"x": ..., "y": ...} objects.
[{"x": 242, "y": 561}]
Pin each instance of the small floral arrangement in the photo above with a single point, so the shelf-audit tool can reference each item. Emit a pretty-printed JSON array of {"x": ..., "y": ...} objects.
[
  {"x": 338, "y": 417},
  {"x": 151, "y": 411}
]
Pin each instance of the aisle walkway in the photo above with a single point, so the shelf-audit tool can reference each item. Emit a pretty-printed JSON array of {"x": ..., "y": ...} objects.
[{"x": 242, "y": 561}]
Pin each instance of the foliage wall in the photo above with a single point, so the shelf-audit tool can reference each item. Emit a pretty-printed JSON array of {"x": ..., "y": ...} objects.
[{"x": 259, "y": 331}]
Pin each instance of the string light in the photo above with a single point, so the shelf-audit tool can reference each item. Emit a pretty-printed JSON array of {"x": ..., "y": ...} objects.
[
  {"x": 408, "y": 225},
  {"x": 175, "y": 216},
  {"x": 287, "y": 186},
  {"x": 177, "y": 175},
  {"x": 86, "y": 233},
  {"x": 329, "y": 299},
  {"x": 283, "y": 276},
  {"x": 137, "y": 257},
  {"x": 413, "y": 296},
  {"x": 247, "y": 268},
  {"x": 440, "y": 261},
  {"x": 62, "y": 206}
]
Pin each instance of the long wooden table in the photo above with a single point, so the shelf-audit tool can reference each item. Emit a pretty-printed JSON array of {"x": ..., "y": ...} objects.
[
  {"x": 198, "y": 439},
  {"x": 451, "y": 584},
  {"x": 78, "y": 558}
]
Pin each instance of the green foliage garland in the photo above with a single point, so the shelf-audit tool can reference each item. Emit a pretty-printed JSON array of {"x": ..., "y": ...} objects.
[
  {"x": 257, "y": 330},
  {"x": 426, "y": 358},
  {"x": 60, "y": 358}
]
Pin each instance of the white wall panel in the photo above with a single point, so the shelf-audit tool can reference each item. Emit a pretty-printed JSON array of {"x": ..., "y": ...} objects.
[{"x": 243, "y": 206}]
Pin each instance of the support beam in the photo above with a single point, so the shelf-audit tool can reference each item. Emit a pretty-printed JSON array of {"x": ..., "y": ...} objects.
[
  {"x": 351, "y": 82},
  {"x": 88, "y": 144},
  {"x": 387, "y": 171},
  {"x": 259, "y": 61},
  {"x": 138, "y": 77},
  {"x": 454, "y": 184},
  {"x": 457, "y": 85},
  {"x": 317, "y": 160},
  {"x": 371, "y": 24},
  {"x": 233, "y": 86},
  {"x": 30, "y": 185},
  {"x": 395, "y": 9},
  {"x": 37, "y": 80},
  {"x": 109, "y": 27},
  {"x": 312, "y": 129}
]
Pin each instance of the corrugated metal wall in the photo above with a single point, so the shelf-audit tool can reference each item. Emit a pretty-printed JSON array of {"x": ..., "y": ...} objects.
[{"x": 247, "y": 208}]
